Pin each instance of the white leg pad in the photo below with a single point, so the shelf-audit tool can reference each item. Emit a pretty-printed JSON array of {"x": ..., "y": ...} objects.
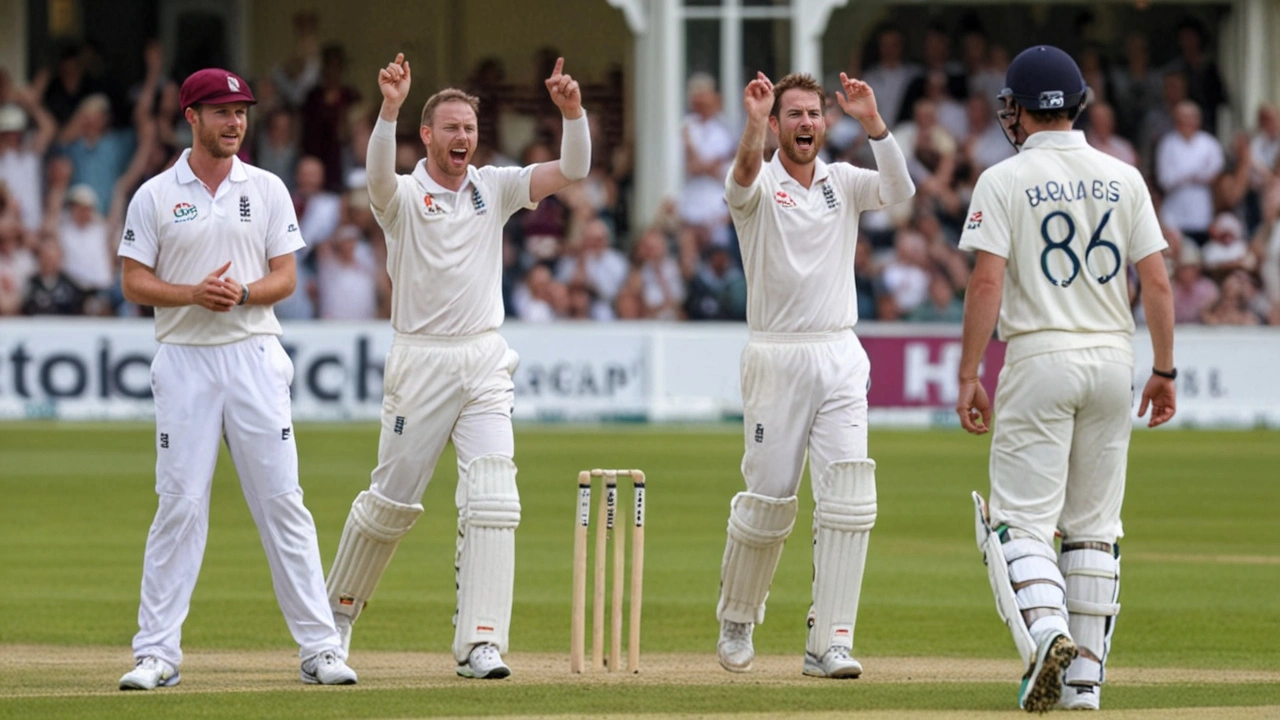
[
  {"x": 1092, "y": 572},
  {"x": 488, "y": 514},
  {"x": 758, "y": 528},
  {"x": 1024, "y": 576},
  {"x": 373, "y": 530},
  {"x": 842, "y": 524}
]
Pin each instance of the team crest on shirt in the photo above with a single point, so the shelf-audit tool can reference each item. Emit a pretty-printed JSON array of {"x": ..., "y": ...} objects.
[
  {"x": 784, "y": 199},
  {"x": 431, "y": 207},
  {"x": 182, "y": 212},
  {"x": 975, "y": 220}
]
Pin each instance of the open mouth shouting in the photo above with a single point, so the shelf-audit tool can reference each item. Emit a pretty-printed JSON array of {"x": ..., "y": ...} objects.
[
  {"x": 458, "y": 157},
  {"x": 804, "y": 142}
]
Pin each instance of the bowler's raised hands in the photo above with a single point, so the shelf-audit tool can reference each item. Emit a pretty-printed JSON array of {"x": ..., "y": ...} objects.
[
  {"x": 858, "y": 101},
  {"x": 757, "y": 98},
  {"x": 393, "y": 80},
  {"x": 214, "y": 293},
  {"x": 565, "y": 92}
]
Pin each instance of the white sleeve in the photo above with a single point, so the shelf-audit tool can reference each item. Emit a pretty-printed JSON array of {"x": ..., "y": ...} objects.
[
  {"x": 139, "y": 241},
  {"x": 987, "y": 226},
  {"x": 512, "y": 184},
  {"x": 380, "y": 167},
  {"x": 742, "y": 200},
  {"x": 283, "y": 236},
  {"x": 894, "y": 184}
]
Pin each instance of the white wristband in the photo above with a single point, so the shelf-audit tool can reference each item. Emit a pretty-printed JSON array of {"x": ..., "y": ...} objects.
[{"x": 575, "y": 148}]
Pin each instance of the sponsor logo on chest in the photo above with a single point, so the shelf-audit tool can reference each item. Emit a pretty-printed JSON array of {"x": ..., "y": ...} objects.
[
  {"x": 184, "y": 212},
  {"x": 432, "y": 208}
]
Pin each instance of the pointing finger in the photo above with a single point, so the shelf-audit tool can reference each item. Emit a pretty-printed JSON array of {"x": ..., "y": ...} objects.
[
  {"x": 399, "y": 58},
  {"x": 559, "y": 67}
]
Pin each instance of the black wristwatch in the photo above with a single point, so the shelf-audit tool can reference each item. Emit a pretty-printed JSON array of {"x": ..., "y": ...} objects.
[{"x": 1171, "y": 374}]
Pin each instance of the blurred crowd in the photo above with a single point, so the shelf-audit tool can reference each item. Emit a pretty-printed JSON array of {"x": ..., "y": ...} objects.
[{"x": 75, "y": 145}]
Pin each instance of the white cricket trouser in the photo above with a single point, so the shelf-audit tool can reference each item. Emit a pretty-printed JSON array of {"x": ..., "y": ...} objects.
[
  {"x": 1061, "y": 443},
  {"x": 240, "y": 391},
  {"x": 801, "y": 392},
  {"x": 436, "y": 387}
]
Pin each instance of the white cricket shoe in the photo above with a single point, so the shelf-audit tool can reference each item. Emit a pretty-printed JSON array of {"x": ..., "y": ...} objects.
[
  {"x": 735, "y": 650},
  {"x": 343, "y": 623},
  {"x": 150, "y": 673},
  {"x": 834, "y": 663},
  {"x": 327, "y": 669},
  {"x": 1042, "y": 685},
  {"x": 484, "y": 662},
  {"x": 1080, "y": 697}
]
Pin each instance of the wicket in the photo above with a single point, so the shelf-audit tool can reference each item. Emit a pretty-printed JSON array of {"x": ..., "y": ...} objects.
[{"x": 608, "y": 507}]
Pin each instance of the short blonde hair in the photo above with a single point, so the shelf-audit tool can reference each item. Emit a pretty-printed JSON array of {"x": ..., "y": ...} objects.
[{"x": 448, "y": 95}]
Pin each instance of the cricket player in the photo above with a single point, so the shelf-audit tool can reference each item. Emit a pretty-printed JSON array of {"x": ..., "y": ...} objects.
[
  {"x": 804, "y": 373},
  {"x": 209, "y": 243},
  {"x": 448, "y": 374},
  {"x": 1055, "y": 229}
]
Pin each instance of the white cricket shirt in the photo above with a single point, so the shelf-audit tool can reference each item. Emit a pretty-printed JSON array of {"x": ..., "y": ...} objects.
[
  {"x": 1069, "y": 220},
  {"x": 174, "y": 227},
  {"x": 798, "y": 243},
  {"x": 444, "y": 248}
]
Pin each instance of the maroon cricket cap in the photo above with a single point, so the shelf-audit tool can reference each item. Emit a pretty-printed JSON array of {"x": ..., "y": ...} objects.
[{"x": 214, "y": 86}]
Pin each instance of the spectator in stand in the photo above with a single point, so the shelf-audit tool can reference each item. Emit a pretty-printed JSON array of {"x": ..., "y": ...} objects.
[
  {"x": 17, "y": 265},
  {"x": 952, "y": 115},
  {"x": 594, "y": 263},
  {"x": 1101, "y": 134},
  {"x": 98, "y": 153},
  {"x": 866, "y": 278},
  {"x": 942, "y": 305},
  {"x": 1227, "y": 249},
  {"x": 295, "y": 76},
  {"x": 937, "y": 59},
  {"x": 1264, "y": 146},
  {"x": 585, "y": 304},
  {"x": 1135, "y": 85},
  {"x": 709, "y": 146},
  {"x": 984, "y": 80},
  {"x": 539, "y": 298},
  {"x": 889, "y": 76},
  {"x": 1234, "y": 306},
  {"x": 50, "y": 291},
  {"x": 348, "y": 279},
  {"x": 1187, "y": 161},
  {"x": 319, "y": 210},
  {"x": 1193, "y": 293},
  {"x": 1204, "y": 82},
  {"x": 1158, "y": 120},
  {"x": 69, "y": 86},
  {"x": 87, "y": 243},
  {"x": 661, "y": 283},
  {"x": 931, "y": 154},
  {"x": 22, "y": 152},
  {"x": 1093, "y": 67},
  {"x": 986, "y": 144},
  {"x": 1231, "y": 190},
  {"x": 276, "y": 150},
  {"x": 1266, "y": 245},
  {"x": 325, "y": 130},
  {"x": 629, "y": 305},
  {"x": 719, "y": 289},
  {"x": 906, "y": 277}
]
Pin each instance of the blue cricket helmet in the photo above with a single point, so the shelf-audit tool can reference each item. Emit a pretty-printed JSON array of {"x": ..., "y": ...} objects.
[{"x": 1044, "y": 77}]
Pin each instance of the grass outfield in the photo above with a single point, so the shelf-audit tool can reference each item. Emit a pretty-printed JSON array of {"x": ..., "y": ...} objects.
[{"x": 1201, "y": 570}]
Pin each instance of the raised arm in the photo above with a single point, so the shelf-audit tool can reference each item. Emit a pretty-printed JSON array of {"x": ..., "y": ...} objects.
[
  {"x": 859, "y": 102},
  {"x": 380, "y": 161},
  {"x": 575, "y": 141},
  {"x": 757, "y": 99}
]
